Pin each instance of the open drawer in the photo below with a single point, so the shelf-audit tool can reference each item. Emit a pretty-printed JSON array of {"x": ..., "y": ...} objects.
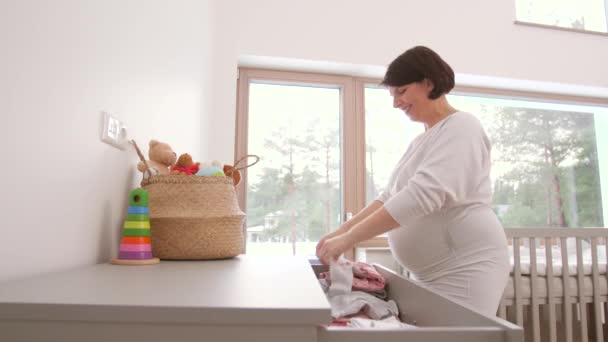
[{"x": 437, "y": 318}]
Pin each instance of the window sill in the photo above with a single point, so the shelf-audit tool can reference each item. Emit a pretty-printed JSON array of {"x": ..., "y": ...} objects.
[{"x": 552, "y": 27}]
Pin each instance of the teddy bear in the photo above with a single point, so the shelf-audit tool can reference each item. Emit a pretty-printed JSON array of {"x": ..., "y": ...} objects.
[
  {"x": 161, "y": 158},
  {"x": 185, "y": 166}
]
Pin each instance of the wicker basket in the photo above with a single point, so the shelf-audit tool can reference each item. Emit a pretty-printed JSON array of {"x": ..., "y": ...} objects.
[{"x": 194, "y": 218}]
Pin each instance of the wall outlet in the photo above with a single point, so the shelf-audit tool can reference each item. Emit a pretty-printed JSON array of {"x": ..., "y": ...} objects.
[{"x": 114, "y": 131}]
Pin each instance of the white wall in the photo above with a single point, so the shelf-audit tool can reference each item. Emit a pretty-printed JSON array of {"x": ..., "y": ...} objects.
[
  {"x": 475, "y": 36},
  {"x": 168, "y": 69},
  {"x": 64, "y": 193}
]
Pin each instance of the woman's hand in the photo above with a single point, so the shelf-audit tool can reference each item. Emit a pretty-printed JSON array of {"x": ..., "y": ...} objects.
[
  {"x": 343, "y": 229},
  {"x": 322, "y": 241},
  {"x": 330, "y": 248}
]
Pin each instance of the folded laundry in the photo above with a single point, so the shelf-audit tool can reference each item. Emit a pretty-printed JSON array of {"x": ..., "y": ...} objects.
[
  {"x": 342, "y": 274},
  {"x": 339, "y": 285},
  {"x": 381, "y": 294},
  {"x": 355, "y": 302},
  {"x": 390, "y": 322},
  {"x": 345, "y": 321},
  {"x": 366, "y": 271},
  {"x": 365, "y": 277}
]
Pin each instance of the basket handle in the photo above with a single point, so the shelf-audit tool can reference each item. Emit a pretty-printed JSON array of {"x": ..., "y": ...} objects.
[
  {"x": 141, "y": 157},
  {"x": 257, "y": 159}
]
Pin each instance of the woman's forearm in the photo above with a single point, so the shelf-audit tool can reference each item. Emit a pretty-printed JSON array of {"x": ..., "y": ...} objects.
[
  {"x": 362, "y": 215},
  {"x": 379, "y": 222},
  {"x": 371, "y": 221}
]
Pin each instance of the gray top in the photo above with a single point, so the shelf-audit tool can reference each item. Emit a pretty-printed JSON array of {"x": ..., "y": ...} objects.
[{"x": 273, "y": 290}]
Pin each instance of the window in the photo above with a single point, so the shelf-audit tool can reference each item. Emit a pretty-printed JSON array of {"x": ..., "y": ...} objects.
[
  {"x": 388, "y": 132},
  {"x": 587, "y": 15},
  {"x": 546, "y": 157},
  {"x": 295, "y": 194},
  {"x": 329, "y": 143}
]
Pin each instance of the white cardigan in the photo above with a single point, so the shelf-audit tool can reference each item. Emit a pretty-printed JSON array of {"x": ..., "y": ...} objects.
[
  {"x": 446, "y": 166},
  {"x": 440, "y": 194}
]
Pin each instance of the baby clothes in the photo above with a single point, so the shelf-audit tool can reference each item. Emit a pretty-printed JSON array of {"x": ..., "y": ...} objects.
[
  {"x": 345, "y": 321},
  {"x": 352, "y": 303},
  {"x": 364, "y": 277},
  {"x": 390, "y": 322},
  {"x": 342, "y": 274},
  {"x": 325, "y": 285},
  {"x": 344, "y": 302}
]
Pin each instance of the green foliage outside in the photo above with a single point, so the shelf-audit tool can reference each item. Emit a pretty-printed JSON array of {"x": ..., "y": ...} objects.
[
  {"x": 553, "y": 175},
  {"x": 550, "y": 179}
]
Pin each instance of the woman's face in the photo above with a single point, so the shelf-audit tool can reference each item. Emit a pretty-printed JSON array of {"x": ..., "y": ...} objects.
[{"x": 413, "y": 99}]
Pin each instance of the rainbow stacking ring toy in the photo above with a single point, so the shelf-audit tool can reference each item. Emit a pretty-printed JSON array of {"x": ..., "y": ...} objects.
[{"x": 135, "y": 246}]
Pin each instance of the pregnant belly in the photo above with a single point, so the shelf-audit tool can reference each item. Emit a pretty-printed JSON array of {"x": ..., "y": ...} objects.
[
  {"x": 448, "y": 240},
  {"x": 422, "y": 245}
]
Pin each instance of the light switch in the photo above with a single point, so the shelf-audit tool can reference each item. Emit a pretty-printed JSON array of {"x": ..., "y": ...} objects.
[{"x": 114, "y": 131}]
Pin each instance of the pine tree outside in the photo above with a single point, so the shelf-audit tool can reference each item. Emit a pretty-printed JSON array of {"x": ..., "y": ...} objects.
[{"x": 548, "y": 161}]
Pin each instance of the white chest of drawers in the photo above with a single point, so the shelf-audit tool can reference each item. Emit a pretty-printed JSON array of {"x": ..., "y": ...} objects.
[{"x": 248, "y": 298}]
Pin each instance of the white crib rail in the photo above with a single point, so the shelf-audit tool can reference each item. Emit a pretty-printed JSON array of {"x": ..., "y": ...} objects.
[
  {"x": 550, "y": 299},
  {"x": 547, "y": 236},
  {"x": 567, "y": 304}
]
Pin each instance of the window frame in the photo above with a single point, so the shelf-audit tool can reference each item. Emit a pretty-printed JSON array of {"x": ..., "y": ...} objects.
[
  {"x": 353, "y": 126},
  {"x": 562, "y": 28}
]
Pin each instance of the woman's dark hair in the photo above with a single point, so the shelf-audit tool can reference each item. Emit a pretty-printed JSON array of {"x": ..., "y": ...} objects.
[{"x": 416, "y": 64}]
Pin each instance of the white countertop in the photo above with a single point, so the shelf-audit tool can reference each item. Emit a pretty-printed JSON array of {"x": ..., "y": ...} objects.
[{"x": 266, "y": 290}]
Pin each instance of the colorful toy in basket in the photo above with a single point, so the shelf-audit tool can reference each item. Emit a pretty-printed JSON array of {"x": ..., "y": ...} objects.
[
  {"x": 213, "y": 168},
  {"x": 135, "y": 245},
  {"x": 185, "y": 166},
  {"x": 234, "y": 171},
  {"x": 235, "y": 174},
  {"x": 161, "y": 158}
]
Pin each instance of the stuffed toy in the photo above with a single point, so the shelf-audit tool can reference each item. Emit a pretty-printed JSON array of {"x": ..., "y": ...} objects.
[
  {"x": 212, "y": 168},
  {"x": 230, "y": 171},
  {"x": 185, "y": 166},
  {"x": 161, "y": 158},
  {"x": 210, "y": 171}
]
